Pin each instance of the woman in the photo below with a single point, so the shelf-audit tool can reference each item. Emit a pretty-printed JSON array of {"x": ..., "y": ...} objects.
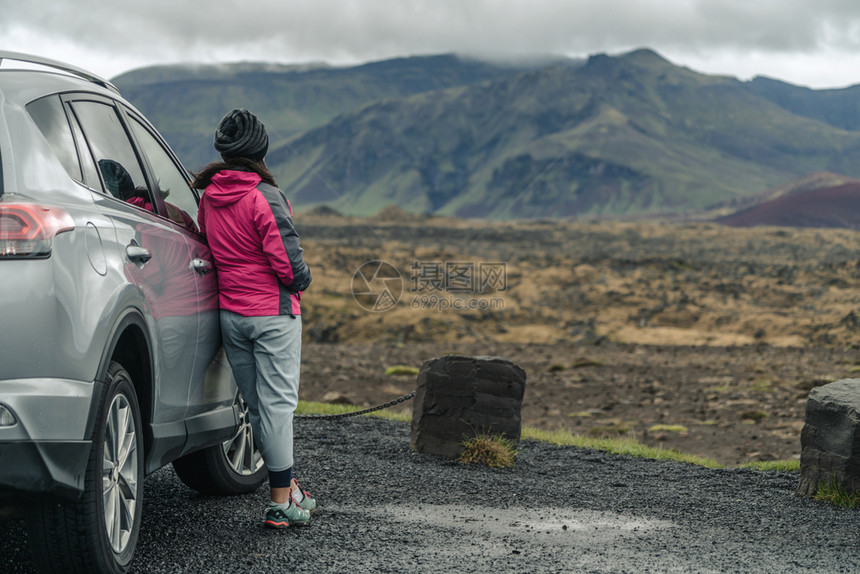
[{"x": 248, "y": 223}]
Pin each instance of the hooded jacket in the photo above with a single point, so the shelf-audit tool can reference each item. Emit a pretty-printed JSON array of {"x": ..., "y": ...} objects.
[{"x": 249, "y": 227}]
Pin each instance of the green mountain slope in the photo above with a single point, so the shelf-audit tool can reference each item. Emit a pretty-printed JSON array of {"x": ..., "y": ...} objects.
[
  {"x": 186, "y": 102},
  {"x": 839, "y": 107},
  {"x": 620, "y": 135}
]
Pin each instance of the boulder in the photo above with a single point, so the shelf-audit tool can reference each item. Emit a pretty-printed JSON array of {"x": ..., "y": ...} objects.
[
  {"x": 830, "y": 441},
  {"x": 460, "y": 397}
]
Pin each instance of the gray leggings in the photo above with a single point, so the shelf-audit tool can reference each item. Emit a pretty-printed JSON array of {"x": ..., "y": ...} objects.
[{"x": 265, "y": 356}]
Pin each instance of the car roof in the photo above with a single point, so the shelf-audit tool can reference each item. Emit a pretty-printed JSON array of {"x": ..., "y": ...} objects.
[
  {"x": 25, "y": 77},
  {"x": 23, "y": 86},
  {"x": 31, "y": 59}
]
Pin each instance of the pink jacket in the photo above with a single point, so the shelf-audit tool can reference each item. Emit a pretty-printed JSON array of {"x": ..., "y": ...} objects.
[{"x": 249, "y": 227}]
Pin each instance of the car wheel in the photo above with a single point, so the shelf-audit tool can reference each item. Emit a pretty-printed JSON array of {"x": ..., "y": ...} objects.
[
  {"x": 233, "y": 467},
  {"x": 98, "y": 532}
]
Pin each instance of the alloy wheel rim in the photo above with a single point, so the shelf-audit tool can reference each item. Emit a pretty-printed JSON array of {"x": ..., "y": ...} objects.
[
  {"x": 120, "y": 473},
  {"x": 242, "y": 454}
]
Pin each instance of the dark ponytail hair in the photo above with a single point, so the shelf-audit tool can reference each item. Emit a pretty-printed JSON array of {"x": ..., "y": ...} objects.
[{"x": 204, "y": 177}]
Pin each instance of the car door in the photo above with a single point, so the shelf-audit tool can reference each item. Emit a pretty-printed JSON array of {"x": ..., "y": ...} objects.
[
  {"x": 158, "y": 262},
  {"x": 211, "y": 383}
]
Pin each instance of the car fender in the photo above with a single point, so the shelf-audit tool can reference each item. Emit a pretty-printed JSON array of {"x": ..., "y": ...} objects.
[{"x": 129, "y": 342}]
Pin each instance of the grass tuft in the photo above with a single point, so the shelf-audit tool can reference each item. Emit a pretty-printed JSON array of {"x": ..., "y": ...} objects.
[
  {"x": 401, "y": 370},
  {"x": 494, "y": 451},
  {"x": 836, "y": 494}
]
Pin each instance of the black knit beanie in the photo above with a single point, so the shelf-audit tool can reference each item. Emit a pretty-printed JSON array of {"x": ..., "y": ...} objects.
[{"x": 241, "y": 134}]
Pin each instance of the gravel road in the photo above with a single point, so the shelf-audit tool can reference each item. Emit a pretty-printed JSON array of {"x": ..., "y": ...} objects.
[{"x": 384, "y": 508}]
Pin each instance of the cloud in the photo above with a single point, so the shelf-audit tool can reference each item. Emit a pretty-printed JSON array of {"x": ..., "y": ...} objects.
[{"x": 818, "y": 34}]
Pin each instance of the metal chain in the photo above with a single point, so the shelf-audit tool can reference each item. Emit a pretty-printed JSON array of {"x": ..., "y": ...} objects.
[{"x": 405, "y": 397}]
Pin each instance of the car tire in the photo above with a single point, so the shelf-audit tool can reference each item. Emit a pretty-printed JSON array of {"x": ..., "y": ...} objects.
[
  {"x": 233, "y": 467},
  {"x": 98, "y": 532}
]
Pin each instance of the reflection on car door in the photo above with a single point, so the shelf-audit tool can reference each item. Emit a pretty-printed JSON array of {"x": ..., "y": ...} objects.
[
  {"x": 158, "y": 263},
  {"x": 212, "y": 385}
]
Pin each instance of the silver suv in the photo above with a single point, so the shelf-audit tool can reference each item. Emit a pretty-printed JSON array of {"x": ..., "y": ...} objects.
[{"x": 110, "y": 356}]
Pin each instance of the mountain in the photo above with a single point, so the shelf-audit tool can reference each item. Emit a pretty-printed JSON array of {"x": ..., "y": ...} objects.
[
  {"x": 186, "y": 101},
  {"x": 839, "y": 108},
  {"x": 627, "y": 135},
  {"x": 620, "y": 135},
  {"x": 837, "y": 206}
]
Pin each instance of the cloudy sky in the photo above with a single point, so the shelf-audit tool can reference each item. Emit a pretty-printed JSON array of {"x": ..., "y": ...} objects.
[{"x": 812, "y": 43}]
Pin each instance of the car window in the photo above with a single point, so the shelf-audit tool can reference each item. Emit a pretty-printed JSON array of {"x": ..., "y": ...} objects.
[
  {"x": 88, "y": 164},
  {"x": 51, "y": 120},
  {"x": 170, "y": 181},
  {"x": 113, "y": 153}
]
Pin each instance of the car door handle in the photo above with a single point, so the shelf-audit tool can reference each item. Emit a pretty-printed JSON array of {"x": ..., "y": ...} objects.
[
  {"x": 201, "y": 266},
  {"x": 137, "y": 253}
]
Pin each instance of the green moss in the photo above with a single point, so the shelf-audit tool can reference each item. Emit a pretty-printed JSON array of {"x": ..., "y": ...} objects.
[
  {"x": 668, "y": 428},
  {"x": 583, "y": 362},
  {"x": 401, "y": 370}
]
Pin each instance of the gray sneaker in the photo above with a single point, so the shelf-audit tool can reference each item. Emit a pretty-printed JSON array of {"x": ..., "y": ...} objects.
[
  {"x": 308, "y": 502},
  {"x": 281, "y": 517}
]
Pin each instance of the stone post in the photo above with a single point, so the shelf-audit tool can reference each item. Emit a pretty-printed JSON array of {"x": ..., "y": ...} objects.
[
  {"x": 459, "y": 397},
  {"x": 830, "y": 441}
]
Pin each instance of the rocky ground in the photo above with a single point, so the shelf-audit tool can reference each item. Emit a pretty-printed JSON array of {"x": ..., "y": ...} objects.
[
  {"x": 576, "y": 282},
  {"x": 731, "y": 404},
  {"x": 691, "y": 336}
]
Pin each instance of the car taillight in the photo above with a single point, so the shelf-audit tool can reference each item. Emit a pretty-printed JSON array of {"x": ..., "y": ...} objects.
[{"x": 28, "y": 229}]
